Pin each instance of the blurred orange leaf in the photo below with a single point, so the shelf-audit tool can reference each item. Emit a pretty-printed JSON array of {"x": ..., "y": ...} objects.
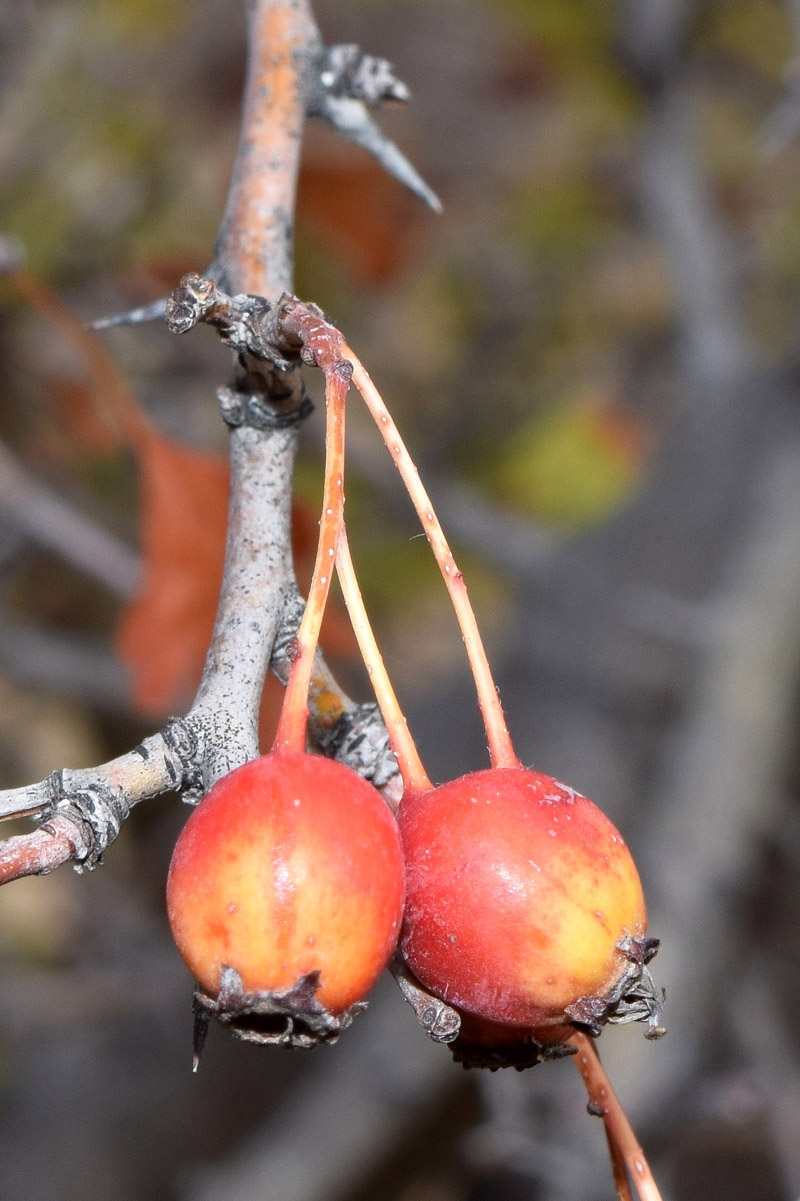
[
  {"x": 164, "y": 633},
  {"x": 361, "y": 215},
  {"x": 84, "y": 421}
]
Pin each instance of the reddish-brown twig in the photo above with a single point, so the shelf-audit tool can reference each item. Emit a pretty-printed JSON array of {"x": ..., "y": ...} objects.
[
  {"x": 39, "y": 852},
  {"x": 626, "y": 1151},
  {"x": 254, "y": 247}
]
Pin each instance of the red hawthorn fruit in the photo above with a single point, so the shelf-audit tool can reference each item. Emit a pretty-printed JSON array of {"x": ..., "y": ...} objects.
[
  {"x": 518, "y": 893},
  {"x": 290, "y": 865}
]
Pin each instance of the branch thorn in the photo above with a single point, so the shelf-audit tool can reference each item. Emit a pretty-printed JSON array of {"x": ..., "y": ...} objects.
[
  {"x": 148, "y": 312},
  {"x": 348, "y": 81}
]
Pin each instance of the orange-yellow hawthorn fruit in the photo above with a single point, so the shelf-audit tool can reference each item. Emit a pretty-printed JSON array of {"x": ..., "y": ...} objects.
[
  {"x": 291, "y": 864},
  {"x": 518, "y": 893}
]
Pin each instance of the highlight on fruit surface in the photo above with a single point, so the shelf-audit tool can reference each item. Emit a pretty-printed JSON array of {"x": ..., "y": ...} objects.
[
  {"x": 524, "y": 909},
  {"x": 285, "y": 897}
]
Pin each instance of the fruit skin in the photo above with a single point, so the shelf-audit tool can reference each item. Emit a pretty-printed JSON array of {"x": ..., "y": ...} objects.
[
  {"x": 291, "y": 864},
  {"x": 518, "y": 890}
]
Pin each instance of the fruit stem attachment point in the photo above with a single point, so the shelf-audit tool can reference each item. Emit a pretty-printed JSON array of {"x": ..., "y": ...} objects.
[
  {"x": 414, "y": 775},
  {"x": 291, "y": 732},
  {"x": 499, "y": 739},
  {"x": 626, "y": 1151}
]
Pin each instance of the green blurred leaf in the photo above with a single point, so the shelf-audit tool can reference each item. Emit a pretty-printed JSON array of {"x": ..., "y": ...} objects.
[
  {"x": 560, "y": 218},
  {"x": 755, "y": 31},
  {"x": 571, "y": 467}
]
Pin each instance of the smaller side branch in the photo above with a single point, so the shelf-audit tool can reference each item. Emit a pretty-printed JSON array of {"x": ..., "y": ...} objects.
[
  {"x": 80, "y": 812},
  {"x": 347, "y": 81},
  {"x": 39, "y": 853}
]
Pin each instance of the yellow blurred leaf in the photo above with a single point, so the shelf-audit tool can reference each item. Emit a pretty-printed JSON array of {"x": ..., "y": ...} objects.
[{"x": 573, "y": 466}]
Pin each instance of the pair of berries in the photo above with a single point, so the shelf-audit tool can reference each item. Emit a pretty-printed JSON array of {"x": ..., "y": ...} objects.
[
  {"x": 517, "y": 904},
  {"x": 515, "y": 899}
]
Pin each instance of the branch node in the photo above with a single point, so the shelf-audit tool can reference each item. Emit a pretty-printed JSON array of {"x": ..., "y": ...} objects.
[
  {"x": 189, "y": 303},
  {"x": 184, "y": 761},
  {"x": 242, "y": 407},
  {"x": 95, "y": 813},
  {"x": 345, "y": 70}
]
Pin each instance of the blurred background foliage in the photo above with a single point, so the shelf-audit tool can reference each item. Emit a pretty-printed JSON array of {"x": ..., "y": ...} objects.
[{"x": 542, "y": 345}]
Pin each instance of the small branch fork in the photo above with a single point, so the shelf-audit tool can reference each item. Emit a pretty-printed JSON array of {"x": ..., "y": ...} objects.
[{"x": 291, "y": 75}]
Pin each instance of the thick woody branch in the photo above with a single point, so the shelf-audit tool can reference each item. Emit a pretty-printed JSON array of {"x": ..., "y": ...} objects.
[
  {"x": 82, "y": 813},
  {"x": 255, "y": 584},
  {"x": 254, "y": 248}
]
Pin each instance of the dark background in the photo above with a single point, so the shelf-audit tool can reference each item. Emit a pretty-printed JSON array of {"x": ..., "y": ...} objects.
[{"x": 594, "y": 355}]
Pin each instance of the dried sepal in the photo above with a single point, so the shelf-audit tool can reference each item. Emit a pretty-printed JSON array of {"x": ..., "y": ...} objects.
[
  {"x": 289, "y": 1019},
  {"x": 525, "y": 1053},
  {"x": 439, "y": 1020},
  {"x": 634, "y": 997}
]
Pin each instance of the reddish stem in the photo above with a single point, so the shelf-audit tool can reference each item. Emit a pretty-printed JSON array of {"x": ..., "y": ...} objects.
[
  {"x": 621, "y": 1138},
  {"x": 409, "y": 762},
  {"x": 291, "y": 732},
  {"x": 618, "y": 1169},
  {"x": 499, "y": 739},
  {"x": 39, "y": 852}
]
